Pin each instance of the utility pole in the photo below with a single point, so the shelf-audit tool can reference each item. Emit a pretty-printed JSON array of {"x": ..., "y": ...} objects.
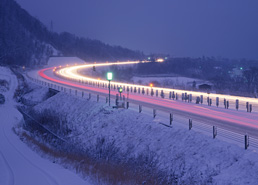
[{"x": 109, "y": 78}]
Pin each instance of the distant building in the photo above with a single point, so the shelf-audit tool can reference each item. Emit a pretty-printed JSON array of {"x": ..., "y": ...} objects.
[{"x": 205, "y": 87}]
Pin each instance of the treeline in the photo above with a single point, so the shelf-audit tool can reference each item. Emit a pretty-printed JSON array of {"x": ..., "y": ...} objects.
[
  {"x": 227, "y": 76},
  {"x": 24, "y": 40}
]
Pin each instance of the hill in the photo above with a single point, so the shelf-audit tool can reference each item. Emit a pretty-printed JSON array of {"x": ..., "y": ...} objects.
[{"x": 24, "y": 40}]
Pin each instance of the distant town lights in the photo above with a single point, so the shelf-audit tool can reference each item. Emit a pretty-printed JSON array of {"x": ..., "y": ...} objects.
[{"x": 160, "y": 60}]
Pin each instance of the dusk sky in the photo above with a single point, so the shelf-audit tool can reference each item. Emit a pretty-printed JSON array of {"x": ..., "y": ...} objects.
[{"x": 181, "y": 28}]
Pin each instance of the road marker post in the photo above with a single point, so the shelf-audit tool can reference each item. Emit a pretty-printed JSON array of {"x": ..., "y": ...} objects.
[
  {"x": 214, "y": 132},
  {"x": 190, "y": 97},
  {"x": 154, "y": 113},
  {"x": 173, "y": 95},
  {"x": 190, "y": 124},
  {"x": 237, "y": 104},
  {"x": 217, "y": 101},
  {"x": 246, "y": 141},
  {"x": 170, "y": 118},
  {"x": 140, "y": 108},
  {"x": 97, "y": 98}
]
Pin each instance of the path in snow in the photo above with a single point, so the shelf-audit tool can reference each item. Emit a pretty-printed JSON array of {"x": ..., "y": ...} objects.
[{"x": 18, "y": 163}]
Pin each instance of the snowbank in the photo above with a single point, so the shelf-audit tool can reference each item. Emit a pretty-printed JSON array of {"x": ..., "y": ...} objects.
[{"x": 186, "y": 156}]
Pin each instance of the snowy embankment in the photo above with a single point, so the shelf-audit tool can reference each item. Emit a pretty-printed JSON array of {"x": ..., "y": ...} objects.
[
  {"x": 186, "y": 157},
  {"x": 18, "y": 163}
]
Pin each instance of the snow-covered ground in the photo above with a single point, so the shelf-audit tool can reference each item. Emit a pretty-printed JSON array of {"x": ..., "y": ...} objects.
[
  {"x": 189, "y": 156},
  {"x": 168, "y": 80},
  {"x": 18, "y": 163}
]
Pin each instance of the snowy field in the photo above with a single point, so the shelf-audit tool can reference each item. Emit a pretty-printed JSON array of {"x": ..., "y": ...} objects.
[
  {"x": 169, "y": 80},
  {"x": 189, "y": 157},
  {"x": 18, "y": 163}
]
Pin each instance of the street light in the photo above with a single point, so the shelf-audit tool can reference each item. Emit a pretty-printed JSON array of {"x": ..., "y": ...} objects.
[
  {"x": 120, "y": 90},
  {"x": 109, "y": 78},
  {"x": 152, "y": 93}
]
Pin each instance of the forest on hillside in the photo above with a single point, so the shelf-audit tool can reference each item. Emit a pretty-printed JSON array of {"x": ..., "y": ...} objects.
[{"x": 24, "y": 40}]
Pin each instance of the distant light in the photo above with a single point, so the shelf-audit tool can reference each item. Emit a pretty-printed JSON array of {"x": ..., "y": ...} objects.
[
  {"x": 149, "y": 58},
  {"x": 109, "y": 76},
  {"x": 160, "y": 60},
  {"x": 151, "y": 85},
  {"x": 98, "y": 78},
  {"x": 166, "y": 58},
  {"x": 241, "y": 68}
]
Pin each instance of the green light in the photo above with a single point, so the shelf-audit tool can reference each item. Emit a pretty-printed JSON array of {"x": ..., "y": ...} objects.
[
  {"x": 148, "y": 58},
  {"x": 120, "y": 89},
  {"x": 109, "y": 76},
  {"x": 241, "y": 68}
]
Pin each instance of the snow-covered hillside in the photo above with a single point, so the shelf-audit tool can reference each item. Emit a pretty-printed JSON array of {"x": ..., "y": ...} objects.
[
  {"x": 18, "y": 163},
  {"x": 185, "y": 157}
]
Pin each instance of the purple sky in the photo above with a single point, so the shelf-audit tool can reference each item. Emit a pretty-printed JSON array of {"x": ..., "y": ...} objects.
[{"x": 226, "y": 28}]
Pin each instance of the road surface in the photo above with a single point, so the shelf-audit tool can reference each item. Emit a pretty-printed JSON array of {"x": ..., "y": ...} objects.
[{"x": 238, "y": 121}]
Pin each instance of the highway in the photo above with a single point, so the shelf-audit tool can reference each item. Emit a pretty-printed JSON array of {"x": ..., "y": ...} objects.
[{"x": 230, "y": 119}]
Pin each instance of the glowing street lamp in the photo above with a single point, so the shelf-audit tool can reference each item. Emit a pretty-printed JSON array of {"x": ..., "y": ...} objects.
[
  {"x": 109, "y": 78},
  {"x": 152, "y": 93},
  {"x": 120, "y": 90}
]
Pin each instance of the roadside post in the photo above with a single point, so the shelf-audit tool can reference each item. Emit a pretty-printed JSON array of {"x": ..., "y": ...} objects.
[
  {"x": 246, "y": 141},
  {"x": 109, "y": 78},
  {"x": 237, "y": 104},
  {"x": 170, "y": 118},
  {"x": 217, "y": 101},
  {"x": 214, "y": 132}
]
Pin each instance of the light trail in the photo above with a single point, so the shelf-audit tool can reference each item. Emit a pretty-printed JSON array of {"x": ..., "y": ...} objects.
[
  {"x": 72, "y": 73},
  {"x": 240, "y": 121}
]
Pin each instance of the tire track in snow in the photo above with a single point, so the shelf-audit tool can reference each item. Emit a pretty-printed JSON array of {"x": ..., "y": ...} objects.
[
  {"x": 51, "y": 179},
  {"x": 10, "y": 171}
]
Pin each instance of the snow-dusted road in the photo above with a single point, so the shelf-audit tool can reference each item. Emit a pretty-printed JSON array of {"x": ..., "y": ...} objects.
[{"x": 18, "y": 163}]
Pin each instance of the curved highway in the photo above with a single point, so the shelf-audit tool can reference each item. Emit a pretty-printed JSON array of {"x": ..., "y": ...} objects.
[{"x": 237, "y": 121}]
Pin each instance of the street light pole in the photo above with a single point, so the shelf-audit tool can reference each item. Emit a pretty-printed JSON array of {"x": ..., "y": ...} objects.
[
  {"x": 109, "y": 93},
  {"x": 109, "y": 78}
]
